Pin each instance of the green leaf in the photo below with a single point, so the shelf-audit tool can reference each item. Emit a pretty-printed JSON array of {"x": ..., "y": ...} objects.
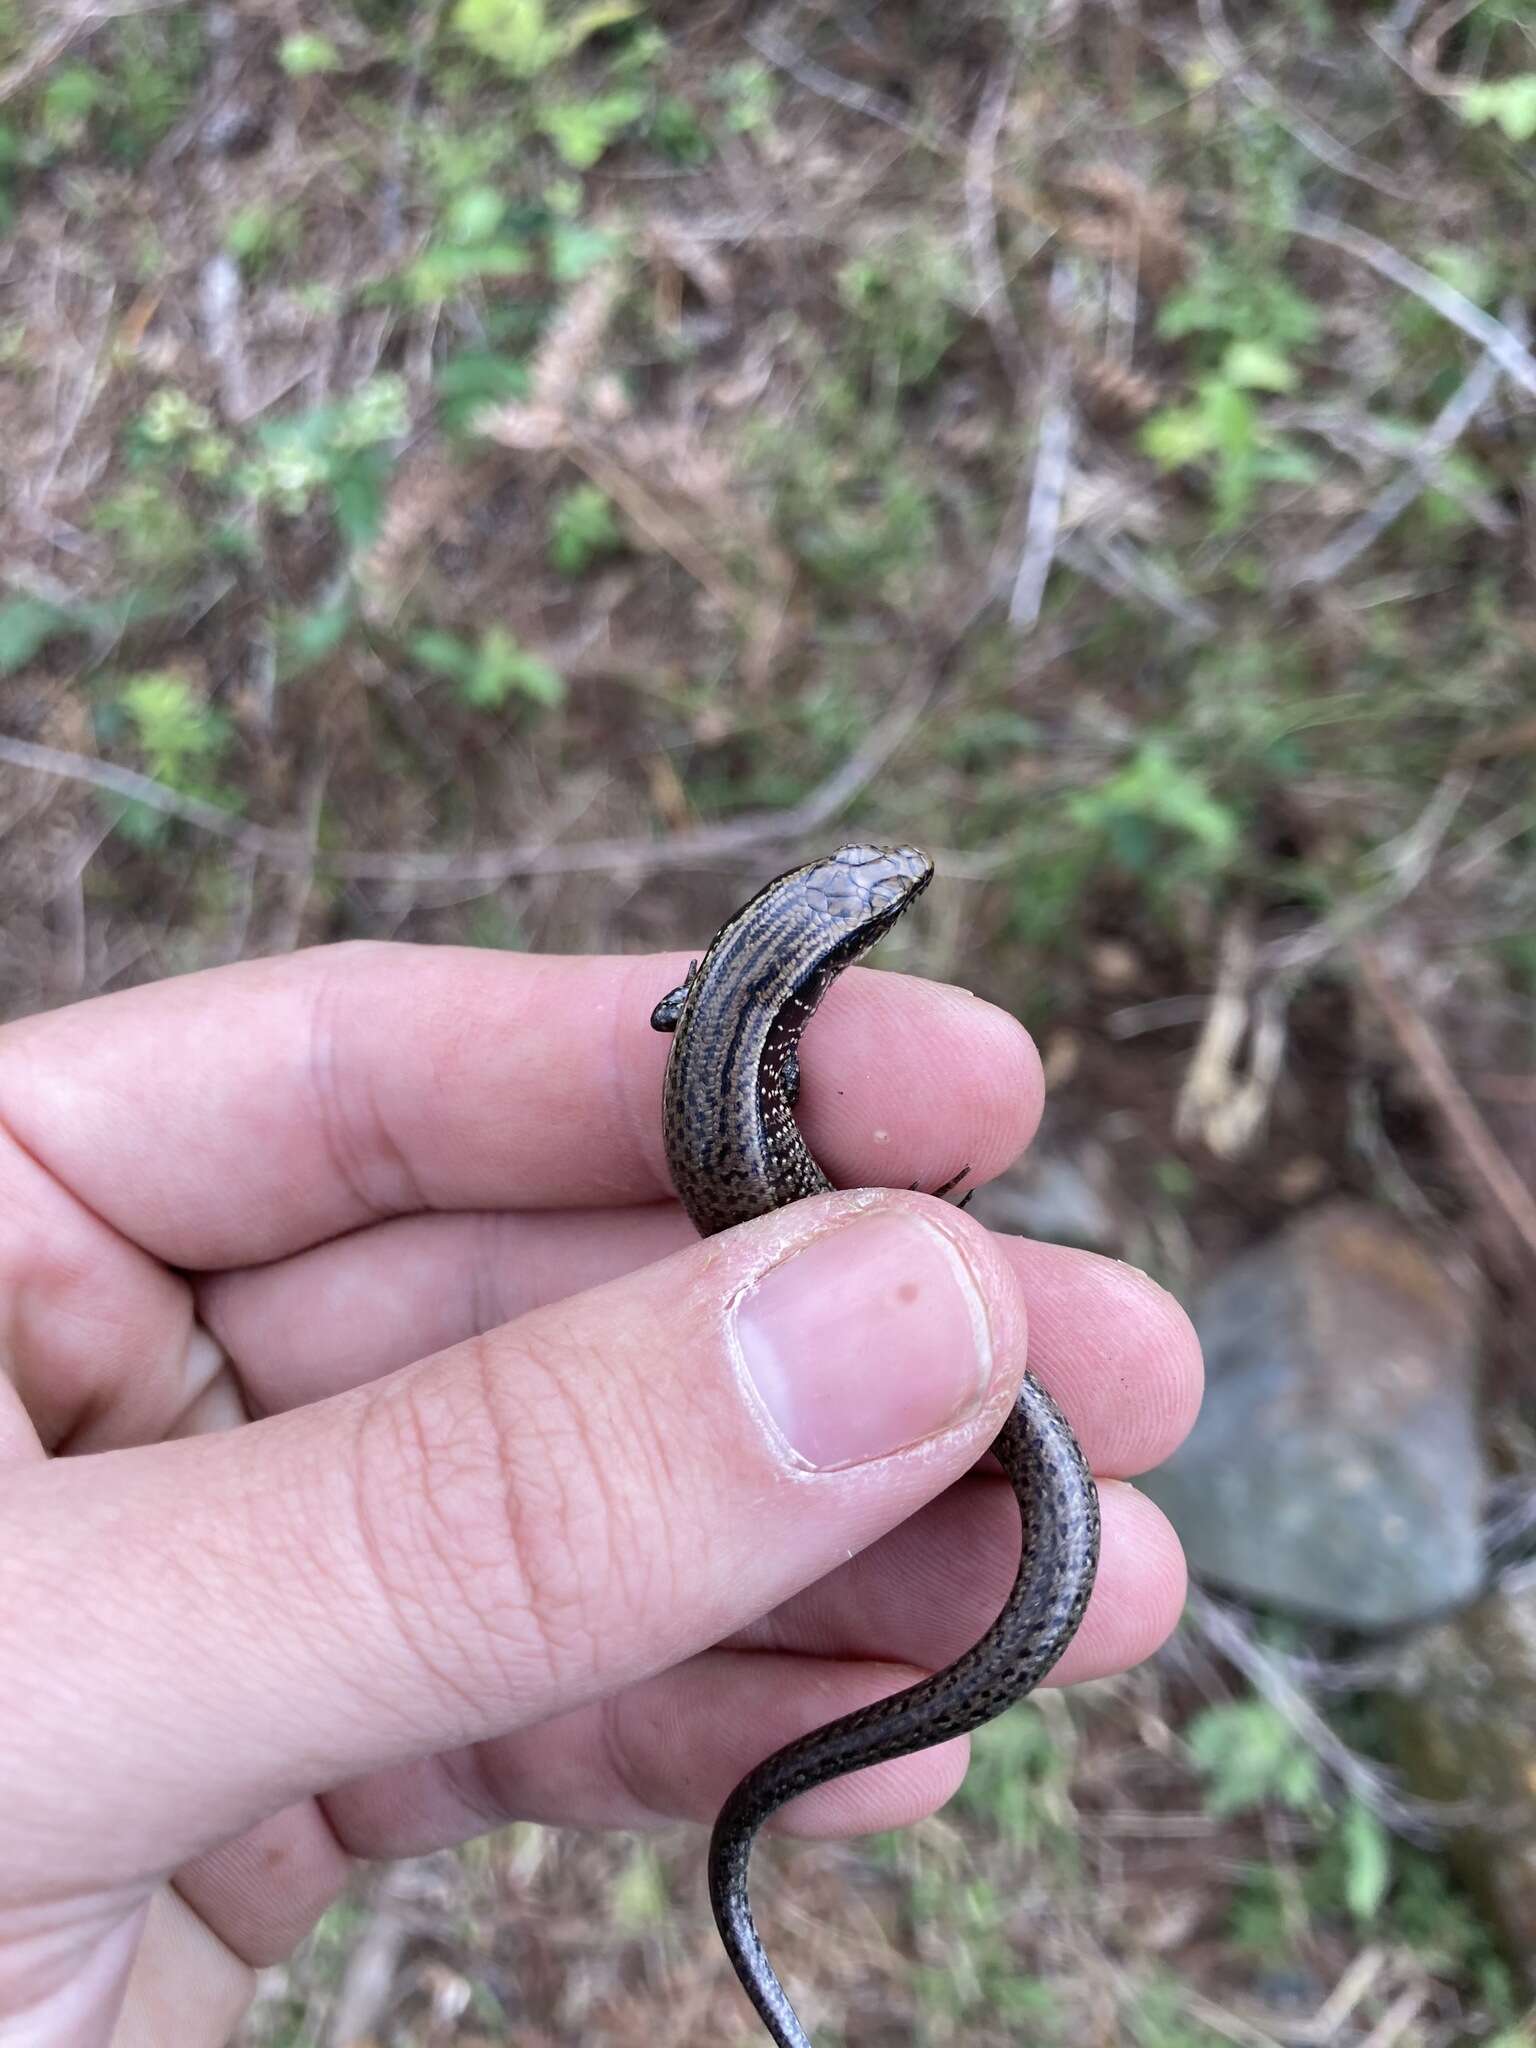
[
  {"x": 1249, "y": 1754},
  {"x": 1466, "y": 268},
  {"x": 1255, "y": 366},
  {"x": 582, "y": 529},
  {"x": 359, "y": 489},
  {"x": 1367, "y": 1850},
  {"x": 474, "y": 215},
  {"x": 502, "y": 669},
  {"x": 1510, "y": 103},
  {"x": 474, "y": 379},
  {"x": 438, "y": 271},
  {"x": 444, "y": 653},
  {"x": 71, "y": 96},
  {"x": 574, "y": 250},
  {"x": 1180, "y": 435},
  {"x": 301, "y": 56},
  {"x": 175, "y": 728},
  {"x": 520, "y": 36},
  {"x": 27, "y": 624},
  {"x": 1232, "y": 417},
  {"x": 582, "y": 130},
  {"x": 638, "y": 1897},
  {"x": 306, "y": 638}
]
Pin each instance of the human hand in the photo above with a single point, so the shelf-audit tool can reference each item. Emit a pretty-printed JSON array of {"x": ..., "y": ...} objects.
[{"x": 514, "y": 1534}]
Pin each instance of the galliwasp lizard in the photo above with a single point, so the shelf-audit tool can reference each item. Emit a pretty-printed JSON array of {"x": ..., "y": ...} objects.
[{"x": 735, "y": 1152}]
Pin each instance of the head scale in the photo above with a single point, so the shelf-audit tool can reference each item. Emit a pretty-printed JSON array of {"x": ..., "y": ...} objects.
[{"x": 857, "y": 883}]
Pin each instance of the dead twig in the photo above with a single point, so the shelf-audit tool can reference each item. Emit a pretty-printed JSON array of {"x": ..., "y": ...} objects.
[
  {"x": 1225, "y": 1100},
  {"x": 1312, "y": 136},
  {"x": 1452, "y": 421},
  {"x": 1505, "y": 347},
  {"x": 1402, "y": 862},
  {"x": 829, "y": 85},
  {"x": 294, "y": 851},
  {"x": 1416, "y": 1820},
  {"x": 1481, "y": 1151},
  {"x": 1418, "y": 58},
  {"x": 1117, "y": 566},
  {"x": 992, "y": 299},
  {"x": 1053, "y": 451},
  {"x": 68, "y": 29},
  {"x": 219, "y": 297}
]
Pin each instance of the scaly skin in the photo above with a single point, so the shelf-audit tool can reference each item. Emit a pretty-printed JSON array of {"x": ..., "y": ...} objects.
[{"x": 735, "y": 1152}]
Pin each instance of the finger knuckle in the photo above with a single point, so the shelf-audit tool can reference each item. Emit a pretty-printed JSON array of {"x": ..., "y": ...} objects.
[{"x": 531, "y": 1528}]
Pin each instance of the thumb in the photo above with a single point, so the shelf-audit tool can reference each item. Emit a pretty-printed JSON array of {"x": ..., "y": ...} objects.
[{"x": 498, "y": 1534}]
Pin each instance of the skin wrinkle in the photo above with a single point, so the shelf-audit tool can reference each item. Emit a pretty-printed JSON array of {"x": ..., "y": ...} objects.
[
  {"x": 359, "y": 1148},
  {"x": 488, "y": 1305},
  {"x": 470, "y": 1776},
  {"x": 545, "y": 1533},
  {"x": 626, "y": 1104},
  {"x": 399, "y": 1419},
  {"x": 39, "y": 1253},
  {"x": 429, "y": 1485},
  {"x": 623, "y": 1766}
]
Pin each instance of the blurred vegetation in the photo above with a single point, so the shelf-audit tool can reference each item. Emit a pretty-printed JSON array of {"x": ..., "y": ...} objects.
[{"x": 508, "y": 423}]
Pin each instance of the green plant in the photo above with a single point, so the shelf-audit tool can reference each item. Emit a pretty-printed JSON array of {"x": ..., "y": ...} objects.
[
  {"x": 72, "y": 94},
  {"x": 127, "y": 100},
  {"x": 1250, "y": 1755},
  {"x": 1356, "y": 1864},
  {"x": 1225, "y": 426},
  {"x": 306, "y": 638},
  {"x": 1018, "y": 1778},
  {"x": 340, "y": 450},
  {"x": 489, "y": 670},
  {"x": 639, "y": 1898},
  {"x": 583, "y": 130},
  {"x": 522, "y": 37},
  {"x": 677, "y": 132},
  {"x": 154, "y": 530},
  {"x": 850, "y": 510},
  {"x": 1510, "y": 103},
  {"x": 749, "y": 95},
  {"x": 471, "y": 242},
  {"x": 1157, "y": 2018},
  {"x": 262, "y": 233},
  {"x": 906, "y": 297},
  {"x": 571, "y": 249},
  {"x": 582, "y": 529},
  {"x": 1263, "y": 1914},
  {"x": 174, "y": 431},
  {"x": 980, "y": 1973},
  {"x": 179, "y": 735},
  {"x": 303, "y": 56},
  {"x": 473, "y": 379},
  {"x": 1232, "y": 300},
  {"x": 27, "y": 624},
  {"x": 1155, "y": 815}
]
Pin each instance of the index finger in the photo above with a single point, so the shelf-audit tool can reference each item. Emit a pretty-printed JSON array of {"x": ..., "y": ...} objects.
[{"x": 238, "y": 1115}]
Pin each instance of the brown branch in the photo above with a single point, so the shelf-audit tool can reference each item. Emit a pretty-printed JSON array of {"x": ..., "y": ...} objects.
[
  {"x": 1312, "y": 136},
  {"x": 1481, "y": 1151},
  {"x": 993, "y": 302},
  {"x": 295, "y": 852},
  {"x": 1505, "y": 347}
]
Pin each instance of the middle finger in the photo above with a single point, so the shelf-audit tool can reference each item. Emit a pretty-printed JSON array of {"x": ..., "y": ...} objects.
[{"x": 1114, "y": 1349}]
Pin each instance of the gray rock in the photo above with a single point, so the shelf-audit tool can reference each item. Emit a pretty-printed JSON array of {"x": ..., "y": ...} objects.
[
  {"x": 1057, "y": 1197},
  {"x": 1466, "y": 1730},
  {"x": 1335, "y": 1471}
]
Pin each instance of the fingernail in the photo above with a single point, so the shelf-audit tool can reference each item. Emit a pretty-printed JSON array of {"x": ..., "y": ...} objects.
[{"x": 868, "y": 1340}]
